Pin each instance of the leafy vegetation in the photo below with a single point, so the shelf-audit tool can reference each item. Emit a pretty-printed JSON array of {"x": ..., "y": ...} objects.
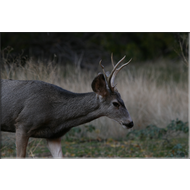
[{"x": 154, "y": 132}]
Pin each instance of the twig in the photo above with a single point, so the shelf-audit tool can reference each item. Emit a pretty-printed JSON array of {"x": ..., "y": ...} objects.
[{"x": 184, "y": 58}]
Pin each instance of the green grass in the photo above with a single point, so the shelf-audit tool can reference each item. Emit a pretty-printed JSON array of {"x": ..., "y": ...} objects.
[
  {"x": 90, "y": 148},
  {"x": 124, "y": 149}
]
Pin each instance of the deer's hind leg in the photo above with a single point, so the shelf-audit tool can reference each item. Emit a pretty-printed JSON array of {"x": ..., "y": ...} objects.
[
  {"x": 21, "y": 143},
  {"x": 54, "y": 146}
]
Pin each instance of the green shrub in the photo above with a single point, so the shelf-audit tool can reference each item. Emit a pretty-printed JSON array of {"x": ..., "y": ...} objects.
[
  {"x": 178, "y": 125},
  {"x": 154, "y": 132},
  {"x": 178, "y": 151}
]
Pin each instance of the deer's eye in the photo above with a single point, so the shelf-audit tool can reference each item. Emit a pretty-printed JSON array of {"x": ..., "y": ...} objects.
[{"x": 116, "y": 104}]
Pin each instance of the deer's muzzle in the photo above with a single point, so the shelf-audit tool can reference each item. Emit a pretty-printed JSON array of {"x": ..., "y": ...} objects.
[{"x": 128, "y": 125}]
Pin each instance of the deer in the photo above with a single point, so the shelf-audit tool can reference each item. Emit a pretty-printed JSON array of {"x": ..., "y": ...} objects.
[{"x": 33, "y": 108}]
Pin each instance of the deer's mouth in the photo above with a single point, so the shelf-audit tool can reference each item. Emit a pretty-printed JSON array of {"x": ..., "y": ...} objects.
[{"x": 128, "y": 125}]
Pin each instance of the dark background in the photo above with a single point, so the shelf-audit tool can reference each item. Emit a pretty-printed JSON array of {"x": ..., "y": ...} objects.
[{"x": 89, "y": 48}]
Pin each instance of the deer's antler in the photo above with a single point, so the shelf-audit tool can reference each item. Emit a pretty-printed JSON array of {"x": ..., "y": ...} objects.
[{"x": 110, "y": 79}]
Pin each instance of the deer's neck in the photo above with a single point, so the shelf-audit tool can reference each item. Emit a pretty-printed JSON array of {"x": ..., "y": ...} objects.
[{"x": 79, "y": 108}]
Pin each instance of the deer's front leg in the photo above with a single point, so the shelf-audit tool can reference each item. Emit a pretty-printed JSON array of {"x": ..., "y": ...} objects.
[
  {"x": 54, "y": 146},
  {"x": 21, "y": 143}
]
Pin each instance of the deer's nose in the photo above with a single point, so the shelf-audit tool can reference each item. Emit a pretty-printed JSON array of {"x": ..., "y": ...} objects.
[{"x": 129, "y": 125}]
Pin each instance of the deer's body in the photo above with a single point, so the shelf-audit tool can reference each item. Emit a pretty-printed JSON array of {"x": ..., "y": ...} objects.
[{"x": 42, "y": 110}]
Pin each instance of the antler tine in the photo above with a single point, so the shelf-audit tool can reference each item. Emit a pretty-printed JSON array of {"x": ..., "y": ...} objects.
[
  {"x": 103, "y": 69},
  {"x": 117, "y": 70},
  {"x": 115, "y": 67},
  {"x": 123, "y": 65}
]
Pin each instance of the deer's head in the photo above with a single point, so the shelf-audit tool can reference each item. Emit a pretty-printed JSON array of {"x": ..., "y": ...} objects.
[{"x": 111, "y": 102}]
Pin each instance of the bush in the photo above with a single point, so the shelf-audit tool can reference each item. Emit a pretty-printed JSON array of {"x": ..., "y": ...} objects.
[
  {"x": 178, "y": 125},
  {"x": 154, "y": 132},
  {"x": 178, "y": 151}
]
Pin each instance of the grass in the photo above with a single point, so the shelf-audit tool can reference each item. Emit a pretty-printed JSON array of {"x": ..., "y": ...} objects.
[
  {"x": 110, "y": 148},
  {"x": 154, "y": 94}
]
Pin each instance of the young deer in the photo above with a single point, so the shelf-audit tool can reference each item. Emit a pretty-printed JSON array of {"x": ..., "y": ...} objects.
[{"x": 37, "y": 109}]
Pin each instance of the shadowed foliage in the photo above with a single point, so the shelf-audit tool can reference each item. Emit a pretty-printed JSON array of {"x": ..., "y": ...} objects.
[{"x": 88, "y": 48}]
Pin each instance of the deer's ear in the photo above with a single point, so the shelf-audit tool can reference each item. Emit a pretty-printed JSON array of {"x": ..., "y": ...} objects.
[{"x": 99, "y": 85}]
